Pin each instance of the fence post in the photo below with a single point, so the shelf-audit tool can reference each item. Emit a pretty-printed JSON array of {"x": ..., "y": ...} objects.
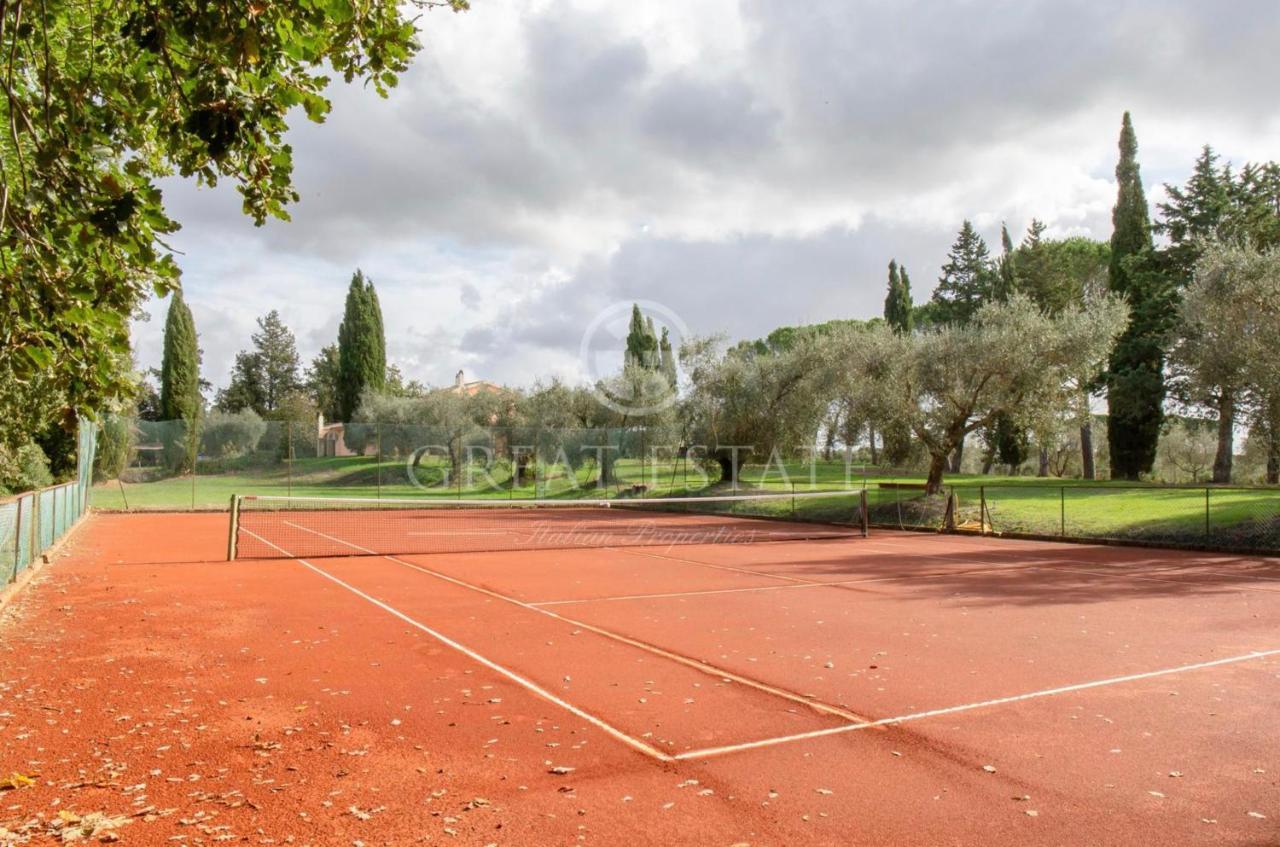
[
  {"x": 1207, "y": 531},
  {"x": 17, "y": 539},
  {"x": 982, "y": 510},
  {"x": 288, "y": 456},
  {"x": 377, "y": 434},
  {"x": 234, "y": 528}
]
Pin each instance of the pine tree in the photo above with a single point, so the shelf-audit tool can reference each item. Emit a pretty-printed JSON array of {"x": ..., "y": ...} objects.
[
  {"x": 967, "y": 280},
  {"x": 897, "y": 303},
  {"x": 1135, "y": 382},
  {"x": 245, "y": 389},
  {"x": 180, "y": 385},
  {"x": 668, "y": 358},
  {"x": 362, "y": 353},
  {"x": 277, "y": 360},
  {"x": 1198, "y": 211}
]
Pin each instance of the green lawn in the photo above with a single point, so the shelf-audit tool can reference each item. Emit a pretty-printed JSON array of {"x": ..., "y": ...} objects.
[{"x": 1234, "y": 517}]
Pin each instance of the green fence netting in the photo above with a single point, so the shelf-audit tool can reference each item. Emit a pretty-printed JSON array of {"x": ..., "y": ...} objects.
[{"x": 32, "y": 522}]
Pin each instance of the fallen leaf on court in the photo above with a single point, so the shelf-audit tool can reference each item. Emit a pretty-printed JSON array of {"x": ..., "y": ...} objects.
[
  {"x": 1032, "y": 813},
  {"x": 560, "y": 769},
  {"x": 1175, "y": 774},
  {"x": 1155, "y": 793},
  {"x": 17, "y": 780},
  {"x": 1258, "y": 815},
  {"x": 71, "y": 828},
  {"x": 1023, "y": 797},
  {"x": 824, "y": 790},
  {"x": 989, "y": 768}
]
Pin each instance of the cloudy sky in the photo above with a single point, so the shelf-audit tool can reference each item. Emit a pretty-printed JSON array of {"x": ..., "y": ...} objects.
[{"x": 744, "y": 163}]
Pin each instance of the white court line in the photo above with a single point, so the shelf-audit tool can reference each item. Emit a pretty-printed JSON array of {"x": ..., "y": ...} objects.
[
  {"x": 488, "y": 663},
  {"x": 697, "y": 664},
  {"x": 951, "y": 710}
]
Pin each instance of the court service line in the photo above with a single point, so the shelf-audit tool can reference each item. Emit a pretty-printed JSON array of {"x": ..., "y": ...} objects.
[
  {"x": 527, "y": 684},
  {"x": 688, "y": 661},
  {"x": 710, "y": 752}
]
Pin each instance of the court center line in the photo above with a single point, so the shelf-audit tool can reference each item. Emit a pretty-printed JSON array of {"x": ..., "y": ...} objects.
[
  {"x": 710, "y": 752},
  {"x": 527, "y": 684},
  {"x": 697, "y": 664}
]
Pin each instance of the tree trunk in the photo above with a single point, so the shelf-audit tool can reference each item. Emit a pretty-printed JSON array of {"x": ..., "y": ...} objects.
[
  {"x": 1043, "y": 470},
  {"x": 988, "y": 462},
  {"x": 871, "y": 435},
  {"x": 730, "y": 463},
  {"x": 1086, "y": 450},
  {"x": 957, "y": 457},
  {"x": 1273, "y": 454},
  {"x": 937, "y": 466},
  {"x": 1226, "y": 437}
]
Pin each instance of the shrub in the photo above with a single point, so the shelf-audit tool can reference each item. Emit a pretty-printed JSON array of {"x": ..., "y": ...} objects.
[
  {"x": 229, "y": 434},
  {"x": 24, "y": 469}
]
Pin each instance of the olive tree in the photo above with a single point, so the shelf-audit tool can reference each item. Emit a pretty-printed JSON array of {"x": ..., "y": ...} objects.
[
  {"x": 1225, "y": 356},
  {"x": 1010, "y": 359},
  {"x": 744, "y": 401}
]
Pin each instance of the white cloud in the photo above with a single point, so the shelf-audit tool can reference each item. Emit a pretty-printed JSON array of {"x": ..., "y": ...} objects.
[{"x": 747, "y": 163}]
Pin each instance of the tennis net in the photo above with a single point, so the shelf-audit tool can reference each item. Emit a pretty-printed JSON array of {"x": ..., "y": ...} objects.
[{"x": 272, "y": 527}]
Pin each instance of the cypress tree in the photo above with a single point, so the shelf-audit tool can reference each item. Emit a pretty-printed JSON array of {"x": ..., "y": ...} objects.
[
  {"x": 1006, "y": 282},
  {"x": 642, "y": 342},
  {"x": 897, "y": 303},
  {"x": 1135, "y": 381},
  {"x": 378, "y": 367},
  {"x": 180, "y": 383},
  {"x": 909, "y": 309},
  {"x": 668, "y": 358},
  {"x": 362, "y": 352}
]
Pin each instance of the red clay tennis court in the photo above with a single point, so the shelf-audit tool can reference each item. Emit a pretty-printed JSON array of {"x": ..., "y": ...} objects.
[{"x": 900, "y": 688}]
